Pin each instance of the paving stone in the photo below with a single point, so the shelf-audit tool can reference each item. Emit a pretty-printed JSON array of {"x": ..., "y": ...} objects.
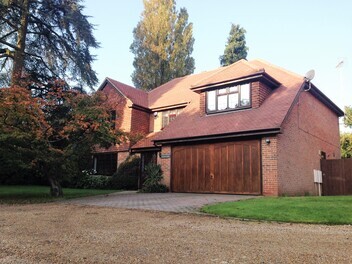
[{"x": 168, "y": 202}]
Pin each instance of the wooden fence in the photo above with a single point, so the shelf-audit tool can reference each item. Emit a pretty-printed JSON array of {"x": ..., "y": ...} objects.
[{"x": 337, "y": 176}]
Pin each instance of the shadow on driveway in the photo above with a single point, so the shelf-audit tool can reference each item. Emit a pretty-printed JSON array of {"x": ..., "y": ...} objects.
[{"x": 168, "y": 202}]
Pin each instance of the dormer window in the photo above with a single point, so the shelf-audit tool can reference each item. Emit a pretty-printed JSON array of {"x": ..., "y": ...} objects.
[{"x": 228, "y": 98}]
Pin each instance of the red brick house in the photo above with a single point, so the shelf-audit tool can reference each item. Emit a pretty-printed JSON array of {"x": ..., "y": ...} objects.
[{"x": 248, "y": 128}]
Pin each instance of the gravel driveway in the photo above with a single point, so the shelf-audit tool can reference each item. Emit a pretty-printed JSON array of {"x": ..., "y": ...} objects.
[{"x": 65, "y": 233}]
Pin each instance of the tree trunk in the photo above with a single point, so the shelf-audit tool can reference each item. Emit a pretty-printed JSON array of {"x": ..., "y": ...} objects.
[
  {"x": 55, "y": 187},
  {"x": 18, "y": 62}
]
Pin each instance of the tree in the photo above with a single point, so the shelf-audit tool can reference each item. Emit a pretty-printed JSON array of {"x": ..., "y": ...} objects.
[
  {"x": 52, "y": 137},
  {"x": 162, "y": 45},
  {"x": 348, "y": 116},
  {"x": 346, "y": 138},
  {"x": 22, "y": 128},
  {"x": 346, "y": 145},
  {"x": 45, "y": 40},
  {"x": 235, "y": 48}
]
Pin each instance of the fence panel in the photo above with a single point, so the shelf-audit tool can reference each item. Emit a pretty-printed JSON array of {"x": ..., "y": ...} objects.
[{"x": 337, "y": 177}]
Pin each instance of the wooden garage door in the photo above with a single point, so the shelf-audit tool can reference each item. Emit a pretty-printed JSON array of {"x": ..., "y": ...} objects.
[{"x": 231, "y": 167}]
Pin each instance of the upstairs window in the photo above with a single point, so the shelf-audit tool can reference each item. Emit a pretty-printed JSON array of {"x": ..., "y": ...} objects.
[
  {"x": 168, "y": 116},
  {"x": 229, "y": 98}
]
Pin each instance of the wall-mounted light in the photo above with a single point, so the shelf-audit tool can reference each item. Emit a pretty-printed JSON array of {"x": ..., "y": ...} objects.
[
  {"x": 267, "y": 141},
  {"x": 155, "y": 114}
]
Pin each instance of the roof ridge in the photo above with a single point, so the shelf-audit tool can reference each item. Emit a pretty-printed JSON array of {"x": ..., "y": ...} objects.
[
  {"x": 215, "y": 71},
  {"x": 277, "y": 67},
  {"x": 117, "y": 88},
  {"x": 132, "y": 95},
  {"x": 225, "y": 68},
  {"x": 156, "y": 88},
  {"x": 130, "y": 86}
]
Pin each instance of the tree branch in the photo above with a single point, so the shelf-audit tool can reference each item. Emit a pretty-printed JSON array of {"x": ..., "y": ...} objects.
[
  {"x": 8, "y": 34},
  {"x": 9, "y": 44},
  {"x": 9, "y": 23},
  {"x": 41, "y": 59}
]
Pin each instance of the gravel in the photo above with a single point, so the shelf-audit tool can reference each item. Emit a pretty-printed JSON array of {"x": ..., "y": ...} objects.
[{"x": 64, "y": 233}]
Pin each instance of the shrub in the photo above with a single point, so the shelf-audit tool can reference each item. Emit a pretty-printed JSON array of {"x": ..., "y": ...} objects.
[
  {"x": 127, "y": 174},
  {"x": 87, "y": 181},
  {"x": 154, "y": 175}
]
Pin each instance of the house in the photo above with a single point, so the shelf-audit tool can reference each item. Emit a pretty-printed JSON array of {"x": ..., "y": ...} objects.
[{"x": 248, "y": 128}]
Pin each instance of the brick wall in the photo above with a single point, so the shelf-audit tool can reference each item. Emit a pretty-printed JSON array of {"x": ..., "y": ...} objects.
[
  {"x": 259, "y": 91},
  {"x": 311, "y": 127},
  {"x": 202, "y": 104},
  {"x": 120, "y": 104},
  {"x": 157, "y": 122},
  {"x": 140, "y": 121},
  {"x": 122, "y": 156},
  {"x": 166, "y": 165},
  {"x": 270, "y": 180}
]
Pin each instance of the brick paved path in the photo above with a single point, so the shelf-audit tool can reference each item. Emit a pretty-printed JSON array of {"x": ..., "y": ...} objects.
[{"x": 169, "y": 202}]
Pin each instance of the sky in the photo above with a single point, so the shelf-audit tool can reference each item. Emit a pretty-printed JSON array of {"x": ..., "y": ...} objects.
[{"x": 297, "y": 35}]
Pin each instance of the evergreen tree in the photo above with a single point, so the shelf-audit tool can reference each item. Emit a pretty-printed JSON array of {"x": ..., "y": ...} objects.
[
  {"x": 235, "y": 48},
  {"x": 162, "y": 45},
  {"x": 44, "y": 40}
]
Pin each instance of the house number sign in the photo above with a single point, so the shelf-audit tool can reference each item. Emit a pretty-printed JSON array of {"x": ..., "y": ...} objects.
[{"x": 165, "y": 155}]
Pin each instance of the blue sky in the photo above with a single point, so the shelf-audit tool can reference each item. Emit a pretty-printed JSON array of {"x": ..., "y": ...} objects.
[{"x": 296, "y": 35}]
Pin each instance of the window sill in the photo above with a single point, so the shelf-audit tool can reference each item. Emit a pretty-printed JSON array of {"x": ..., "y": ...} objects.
[{"x": 228, "y": 110}]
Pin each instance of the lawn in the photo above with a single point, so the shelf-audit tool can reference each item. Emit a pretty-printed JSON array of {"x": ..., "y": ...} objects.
[
  {"x": 332, "y": 210},
  {"x": 19, "y": 194}
]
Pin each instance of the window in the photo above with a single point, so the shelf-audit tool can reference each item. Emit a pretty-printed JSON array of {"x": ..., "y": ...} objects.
[
  {"x": 113, "y": 119},
  {"x": 169, "y": 115},
  {"x": 105, "y": 164},
  {"x": 229, "y": 98}
]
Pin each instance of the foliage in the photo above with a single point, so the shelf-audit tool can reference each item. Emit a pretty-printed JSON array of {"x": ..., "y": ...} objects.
[
  {"x": 46, "y": 40},
  {"x": 162, "y": 45},
  {"x": 315, "y": 210},
  {"x": 51, "y": 137},
  {"x": 40, "y": 194},
  {"x": 22, "y": 129},
  {"x": 235, "y": 48},
  {"x": 346, "y": 145},
  {"x": 87, "y": 181},
  {"x": 127, "y": 174},
  {"x": 348, "y": 116},
  {"x": 154, "y": 176}
]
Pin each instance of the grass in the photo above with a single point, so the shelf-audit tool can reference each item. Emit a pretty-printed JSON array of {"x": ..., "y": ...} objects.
[
  {"x": 331, "y": 210},
  {"x": 23, "y": 194}
]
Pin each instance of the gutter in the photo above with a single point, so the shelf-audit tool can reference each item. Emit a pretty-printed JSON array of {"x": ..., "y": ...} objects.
[{"x": 269, "y": 131}]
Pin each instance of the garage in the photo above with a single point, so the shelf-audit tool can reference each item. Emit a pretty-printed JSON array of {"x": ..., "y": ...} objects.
[{"x": 228, "y": 167}]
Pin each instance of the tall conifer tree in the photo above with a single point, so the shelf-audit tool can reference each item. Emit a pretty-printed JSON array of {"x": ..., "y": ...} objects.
[
  {"x": 162, "y": 45},
  {"x": 45, "y": 40},
  {"x": 235, "y": 48}
]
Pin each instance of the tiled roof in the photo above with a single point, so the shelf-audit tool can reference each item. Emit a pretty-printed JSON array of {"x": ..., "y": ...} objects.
[
  {"x": 137, "y": 96},
  {"x": 146, "y": 142},
  {"x": 123, "y": 146},
  {"x": 177, "y": 91},
  {"x": 234, "y": 71},
  {"x": 270, "y": 115},
  {"x": 192, "y": 123}
]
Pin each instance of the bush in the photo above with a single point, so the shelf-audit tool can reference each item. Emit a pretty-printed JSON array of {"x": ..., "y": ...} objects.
[
  {"x": 127, "y": 174},
  {"x": 87, "y": 181},
  {"x": 154, "y": 175}
]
